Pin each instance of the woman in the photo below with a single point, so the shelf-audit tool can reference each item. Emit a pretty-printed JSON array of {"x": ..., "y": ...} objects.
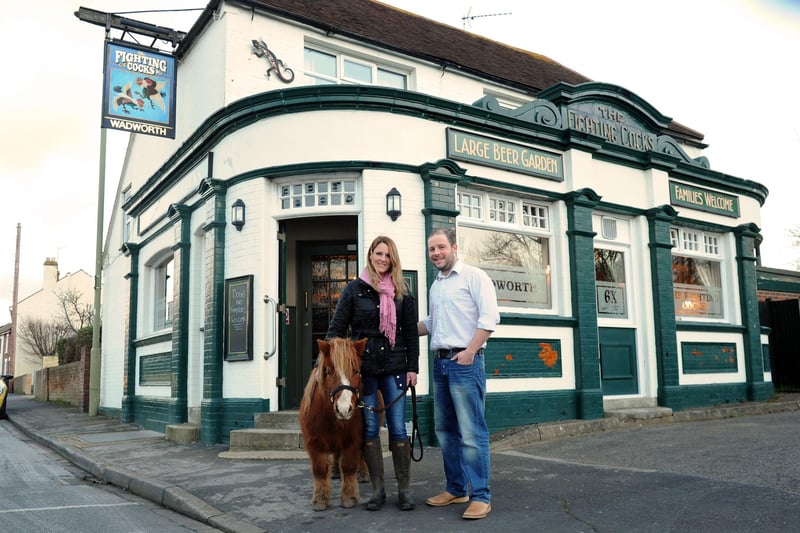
[{"x": 378, "y": 306}]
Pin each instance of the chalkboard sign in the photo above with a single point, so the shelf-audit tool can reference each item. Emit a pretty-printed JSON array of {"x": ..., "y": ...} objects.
[{"x": 239, "y": 319}]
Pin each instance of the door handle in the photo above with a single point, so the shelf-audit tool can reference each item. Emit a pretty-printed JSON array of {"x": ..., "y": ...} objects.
[{"x": 271, "y": 317}]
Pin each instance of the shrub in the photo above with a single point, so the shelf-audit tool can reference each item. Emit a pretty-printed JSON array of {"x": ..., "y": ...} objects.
[{"x": 69, "y": 349}]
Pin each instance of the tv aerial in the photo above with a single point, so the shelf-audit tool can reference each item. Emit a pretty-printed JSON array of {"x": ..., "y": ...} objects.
[{"x": 468, "y": 18}]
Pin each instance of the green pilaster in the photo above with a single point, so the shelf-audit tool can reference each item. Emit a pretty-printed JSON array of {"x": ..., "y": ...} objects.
[
  {"x": 659, "y": 221},
  {"x": 439, "y": 188},
  {"x": 128, "y": 413},
  {"x": 181, "y": 217},
  {"x": 213, "y": 192},
  {"x": 589, "y": 395},
  {"x": 757, "y": 388}
]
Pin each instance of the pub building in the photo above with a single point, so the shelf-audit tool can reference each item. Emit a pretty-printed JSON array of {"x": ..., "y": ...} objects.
[{"x": 624, "y": 263}]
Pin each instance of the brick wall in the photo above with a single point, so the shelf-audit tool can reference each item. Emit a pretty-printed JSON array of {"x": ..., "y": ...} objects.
[
  {"x": 22, "y": 384},
  {"x": 67, "y": 383}
]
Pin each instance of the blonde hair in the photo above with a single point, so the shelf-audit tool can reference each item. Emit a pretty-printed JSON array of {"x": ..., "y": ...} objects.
[{"x": 395, "y": 270}]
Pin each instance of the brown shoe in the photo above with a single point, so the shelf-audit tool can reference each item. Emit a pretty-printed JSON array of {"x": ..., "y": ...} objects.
[
  {"x": 445, "y": 498},
  {"x": 477, "y": 510}
]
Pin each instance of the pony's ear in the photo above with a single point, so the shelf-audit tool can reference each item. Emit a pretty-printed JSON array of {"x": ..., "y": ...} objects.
[
  {"x": 359, "y": 345},
  {"x": 324, "y": 346}
]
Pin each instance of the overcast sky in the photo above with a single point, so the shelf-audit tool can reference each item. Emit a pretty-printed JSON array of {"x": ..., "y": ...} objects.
[{"x": 726, "y": 68}]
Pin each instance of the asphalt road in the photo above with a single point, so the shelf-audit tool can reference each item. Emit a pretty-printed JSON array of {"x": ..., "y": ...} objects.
[{"x": 731, "y": 475}]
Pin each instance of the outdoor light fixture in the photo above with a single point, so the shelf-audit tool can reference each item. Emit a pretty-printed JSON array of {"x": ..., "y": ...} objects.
[
  {"x": 393, "y": 209},
  {"x": 237, "y": 214}
]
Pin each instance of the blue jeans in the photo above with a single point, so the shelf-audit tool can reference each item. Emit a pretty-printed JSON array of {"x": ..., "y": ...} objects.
[
  {"x": 391, "y": 386},
  {"x": 459, "y": 393}
]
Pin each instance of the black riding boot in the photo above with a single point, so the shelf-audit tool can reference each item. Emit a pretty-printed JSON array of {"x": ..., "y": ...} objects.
[
  {"x": 373, "y": 455},
  {"x": 401, "y": 456}
]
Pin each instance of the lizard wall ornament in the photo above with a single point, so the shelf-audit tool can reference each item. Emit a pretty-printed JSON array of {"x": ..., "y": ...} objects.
[{"x": 284, "y": 73}]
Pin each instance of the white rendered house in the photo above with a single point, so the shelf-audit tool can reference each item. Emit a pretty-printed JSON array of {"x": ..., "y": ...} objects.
[{"x": 624, "y": 263}]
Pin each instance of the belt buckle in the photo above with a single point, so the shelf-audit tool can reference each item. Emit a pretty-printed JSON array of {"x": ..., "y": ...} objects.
[{"x": 448, "y": 353}]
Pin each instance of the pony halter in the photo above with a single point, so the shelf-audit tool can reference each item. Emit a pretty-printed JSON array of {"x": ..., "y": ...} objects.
[{"x": 340, "y": 388}]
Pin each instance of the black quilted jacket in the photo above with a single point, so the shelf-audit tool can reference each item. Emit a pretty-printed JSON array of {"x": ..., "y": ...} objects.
[{"x": 357, "y": 316}]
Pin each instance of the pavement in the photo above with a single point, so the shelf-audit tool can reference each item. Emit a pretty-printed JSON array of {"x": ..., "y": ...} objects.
[{"x": 726, "y": 468}]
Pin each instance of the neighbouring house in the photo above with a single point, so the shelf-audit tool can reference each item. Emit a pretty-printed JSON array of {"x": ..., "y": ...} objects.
[
  {"x": 625, "y": 263},
  {"x": 45, "y": 306},
  {"x": 5, "y": 355}
]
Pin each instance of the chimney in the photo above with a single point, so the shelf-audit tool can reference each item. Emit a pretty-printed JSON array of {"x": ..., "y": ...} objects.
[{"x": 50, "y": 277}]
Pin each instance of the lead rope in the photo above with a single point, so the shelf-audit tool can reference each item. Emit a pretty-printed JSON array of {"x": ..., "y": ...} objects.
[
  {"x": 414, "y": 418},
  {"x": 415, "y": 426}
]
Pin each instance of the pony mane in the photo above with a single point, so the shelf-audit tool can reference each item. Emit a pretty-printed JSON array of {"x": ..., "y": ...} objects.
[
  {"x": 308, "y": 392},
  {"x": 344, "y": 355}
]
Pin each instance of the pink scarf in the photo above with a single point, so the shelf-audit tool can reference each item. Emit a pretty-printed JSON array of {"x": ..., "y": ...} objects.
[{"x": 388, "y": 313}]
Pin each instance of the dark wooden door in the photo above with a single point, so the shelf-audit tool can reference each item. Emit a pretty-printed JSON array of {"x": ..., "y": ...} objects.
[{"x": 618, "y": 361}]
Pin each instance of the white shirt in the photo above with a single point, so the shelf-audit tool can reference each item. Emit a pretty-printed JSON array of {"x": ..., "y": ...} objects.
[{"x": 460, "y": 303}]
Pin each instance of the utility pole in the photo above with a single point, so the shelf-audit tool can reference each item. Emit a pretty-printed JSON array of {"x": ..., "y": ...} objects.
[
  {"x": 12, "y": 340},
  {"x": 96, "y": 357}
]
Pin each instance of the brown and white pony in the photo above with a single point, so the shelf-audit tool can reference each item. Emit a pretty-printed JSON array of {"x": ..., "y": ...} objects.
[{"x": 331, "y": 421}]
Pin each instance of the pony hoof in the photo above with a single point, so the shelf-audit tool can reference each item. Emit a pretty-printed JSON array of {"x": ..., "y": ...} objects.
[
  {"x": 349, "y": 503},
  {"x": 318, "y": 506}
]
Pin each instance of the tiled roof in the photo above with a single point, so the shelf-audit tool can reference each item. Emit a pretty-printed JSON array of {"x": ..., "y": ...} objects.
[{"x": 393, "y": 28}]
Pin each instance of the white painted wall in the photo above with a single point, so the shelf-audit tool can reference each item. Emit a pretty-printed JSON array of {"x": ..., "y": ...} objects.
[
  {"x": 44, "y": 305},
  {"x": 220, "y": 70}
]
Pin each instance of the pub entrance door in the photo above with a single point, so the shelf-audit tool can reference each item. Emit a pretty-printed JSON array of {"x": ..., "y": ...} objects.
[{"x": 317, "y": 275}]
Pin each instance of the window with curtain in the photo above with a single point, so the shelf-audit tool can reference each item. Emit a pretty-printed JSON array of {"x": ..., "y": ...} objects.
[{"x": 697, "y": 274}]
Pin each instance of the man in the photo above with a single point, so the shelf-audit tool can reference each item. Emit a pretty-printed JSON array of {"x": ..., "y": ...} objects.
[{"x": 463, "y": 314}]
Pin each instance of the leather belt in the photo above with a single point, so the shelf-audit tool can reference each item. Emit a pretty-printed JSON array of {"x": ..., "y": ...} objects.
[{"x": 448, "y": 353}]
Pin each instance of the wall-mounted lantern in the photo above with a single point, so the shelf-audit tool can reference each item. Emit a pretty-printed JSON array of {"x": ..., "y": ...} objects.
[
  {"x": 237, "y": 214},
  {"x": 393, "y": 204}
]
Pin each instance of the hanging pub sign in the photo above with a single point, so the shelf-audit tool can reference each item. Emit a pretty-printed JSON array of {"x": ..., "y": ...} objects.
[{"x": 139, "y": 91}]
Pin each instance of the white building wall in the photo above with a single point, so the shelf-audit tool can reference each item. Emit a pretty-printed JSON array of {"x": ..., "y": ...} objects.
[
  {"x": 44, "y": 305},
  {"x": 114, "y": 317},
  {"x": 197, "y": 299},
  {"x": 408, "y": 233},
  {"x": 245, "y": 253},
  {"x": 220, "y": 70}
]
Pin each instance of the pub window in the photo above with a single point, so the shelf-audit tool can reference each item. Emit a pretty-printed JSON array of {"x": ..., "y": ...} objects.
[
  {"x": 518, "y": 264},
  {"x": 315, "y": 193},
  {"x": 690, "y": 241},
  {"x": 609, "y": 276},
  {"x": 163, "y": 297},
  {"x": 711, "y": 244},
  {"x": 514, "y": 251},
  {"x": 534, "y": 216},
  {"x": 328, "y": 67},
  {"x": 470, "y": 205},
  {"x": 674, "y": 238},
  {"x": 501, "y": 210},
  {"x": 697, "y": 276}
]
